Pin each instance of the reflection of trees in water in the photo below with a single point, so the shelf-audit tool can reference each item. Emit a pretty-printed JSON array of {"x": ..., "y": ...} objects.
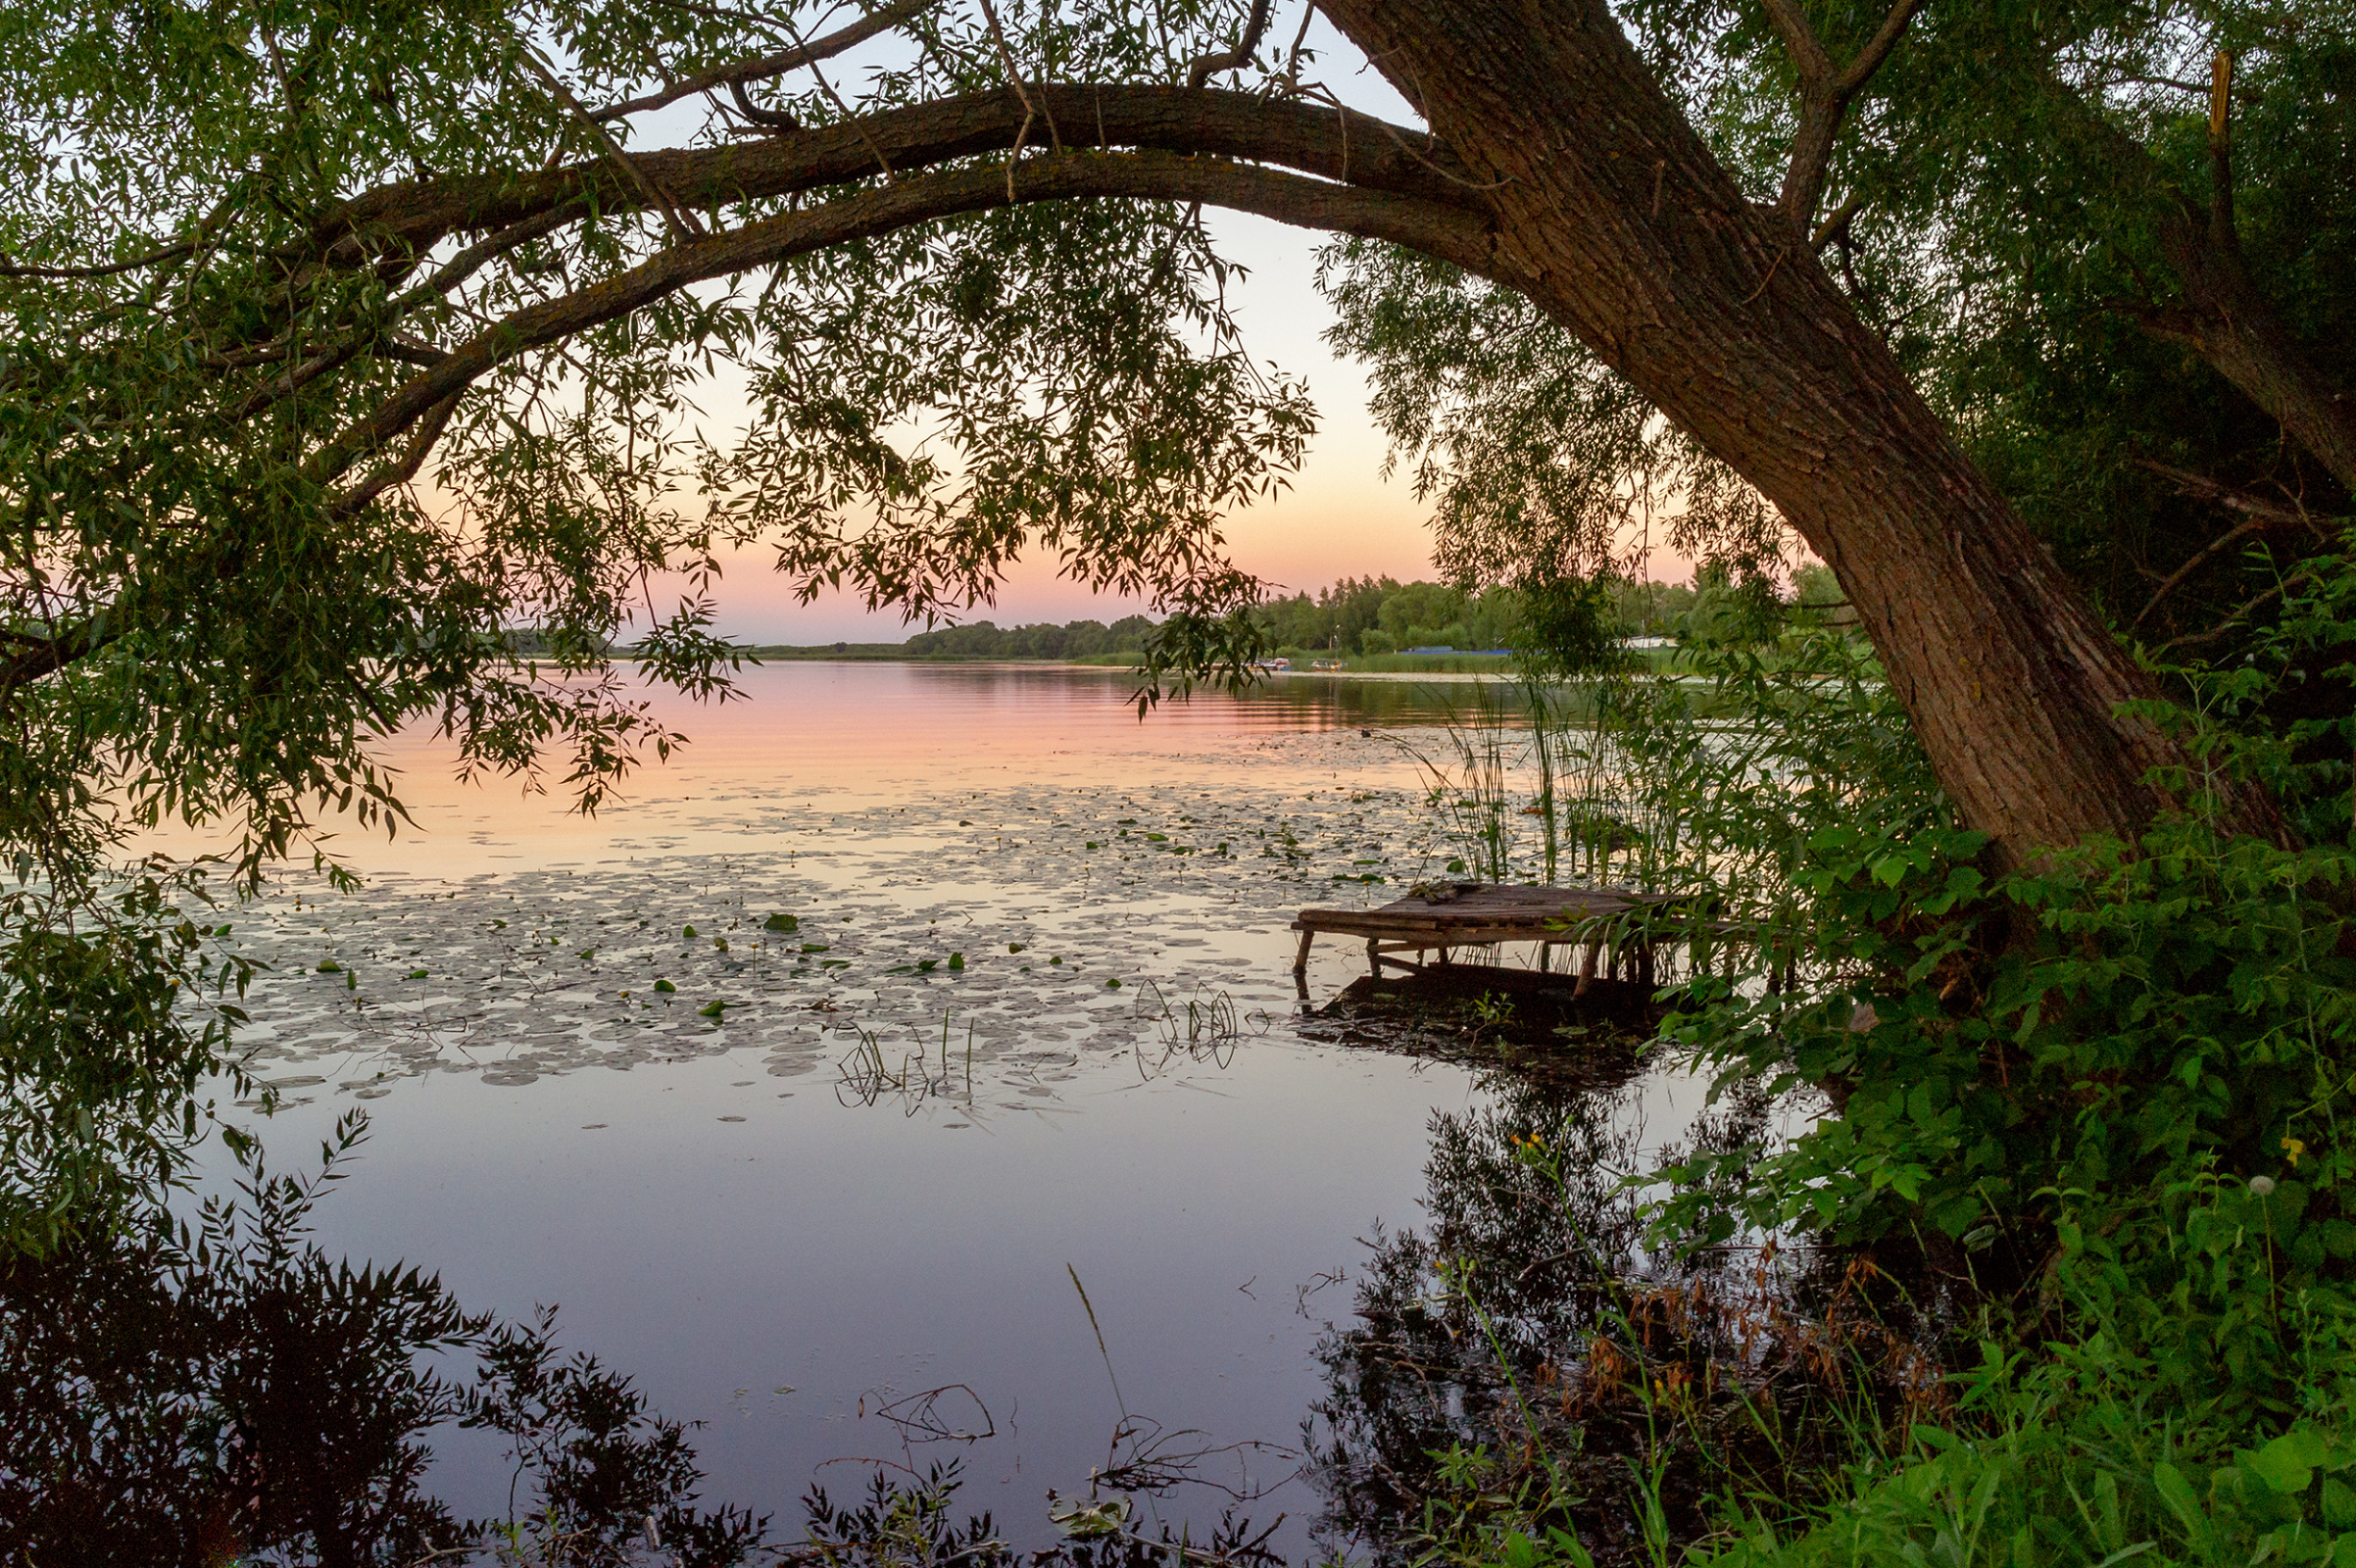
[
  {"x": 202, "y": 1391},
  {"x": 223, "y": 1390},
  {"x": 1528, "y": 1319}
]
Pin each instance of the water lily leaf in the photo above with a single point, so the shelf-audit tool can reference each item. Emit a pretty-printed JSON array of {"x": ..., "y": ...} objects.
[
  {"x": 782, "y": 922},
  {"x": 956, "y": 960},
  {"x": 1085, "y": 1521},
  {"x": 711, "y": 1010},
  {"x": 665, "y": 987}
]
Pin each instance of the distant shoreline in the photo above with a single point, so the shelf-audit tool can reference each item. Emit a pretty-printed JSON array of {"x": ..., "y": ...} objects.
[{"x": 1351, "y": 665}]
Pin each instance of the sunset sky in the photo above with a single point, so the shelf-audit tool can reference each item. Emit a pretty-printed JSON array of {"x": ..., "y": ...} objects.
[{"x": 1340, "y": 518}]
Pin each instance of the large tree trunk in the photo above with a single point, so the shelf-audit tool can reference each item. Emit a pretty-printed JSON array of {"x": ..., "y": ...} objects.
[{"x": 1615, "y": 217}]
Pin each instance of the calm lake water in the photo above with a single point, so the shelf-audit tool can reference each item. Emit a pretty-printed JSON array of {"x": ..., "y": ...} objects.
[{"x": 787, "y": 1180}]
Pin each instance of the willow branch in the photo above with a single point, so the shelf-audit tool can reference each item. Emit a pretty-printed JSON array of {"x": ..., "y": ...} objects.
[
  {"x": 1877, "y": 48},
  {"x": 681, "y": 224},
  {"x": 2194, "y": 484},
  {"x": 1838, "y": 224},
  {"x": 1206, "y": 67},
  {"x": 2169, "y": 584},
  {"x": 1337, "y": 144},
  {"x": 9, "y": 269},
  {"x": 402, "y": 470},
  {"x": 1445, "y": 231},
  {"x": 1825, "y": 92},
  {"x": 762, "y": 67},
  {"x": 1808, "y": 58},
  {"x": 37, "y": 657}
]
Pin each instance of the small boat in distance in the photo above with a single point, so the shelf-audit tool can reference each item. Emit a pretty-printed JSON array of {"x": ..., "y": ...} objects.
[
  {"x": 1276, "y": 664},
  {"x": 1325, "y": 663}
]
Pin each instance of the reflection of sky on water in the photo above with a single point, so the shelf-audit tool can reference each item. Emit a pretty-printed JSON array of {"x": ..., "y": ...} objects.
[
  {"x": 774, "y": 1244},
  {"x": 854, "y": 735}
]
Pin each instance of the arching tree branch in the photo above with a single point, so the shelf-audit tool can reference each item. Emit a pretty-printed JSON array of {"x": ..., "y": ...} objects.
[
  {"x": 1336, "y": 145},
  {"x": 1448, "y": 230}
]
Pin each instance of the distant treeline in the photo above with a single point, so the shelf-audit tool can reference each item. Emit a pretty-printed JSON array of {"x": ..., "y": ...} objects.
[
  {"x": 1078, "y": 639},
  {"x": 1384, "y": 616},
  {"x": 1357, "y": 616}
]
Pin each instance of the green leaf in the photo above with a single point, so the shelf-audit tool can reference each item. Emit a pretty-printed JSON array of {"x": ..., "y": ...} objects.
[
  {"x": 786, "y": 923},
  {"x": 711, "y": 1009},
  {"x": 665, "y": 987},
  {"x": 2176, "y": 1492},
  {"x": 2288, "y": 1463}
]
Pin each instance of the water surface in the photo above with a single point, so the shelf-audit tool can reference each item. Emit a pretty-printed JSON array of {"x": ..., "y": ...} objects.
[{"x": 788, "y": 1179}]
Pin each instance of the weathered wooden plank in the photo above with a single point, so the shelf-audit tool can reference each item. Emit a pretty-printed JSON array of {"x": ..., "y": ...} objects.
[{"x": 1475, "y": 916}]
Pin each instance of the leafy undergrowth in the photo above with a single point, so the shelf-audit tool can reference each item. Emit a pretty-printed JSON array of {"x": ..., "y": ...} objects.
[{"x": 2065, "y": 1263}]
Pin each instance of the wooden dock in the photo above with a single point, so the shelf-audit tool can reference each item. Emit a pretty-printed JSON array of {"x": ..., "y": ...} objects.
[{"x": 1474, "y": 914}]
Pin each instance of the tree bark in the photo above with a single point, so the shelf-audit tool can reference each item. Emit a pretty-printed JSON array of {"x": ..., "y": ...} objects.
[
  {"x": 2228, "y": 321},
  {"x": 2224, "y": 315},
  {"x": 1614, "y": 216}
]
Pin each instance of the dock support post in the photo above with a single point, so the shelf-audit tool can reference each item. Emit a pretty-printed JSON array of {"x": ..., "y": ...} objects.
[
  {"x": 1301, "y": 959},
  {"x": 1374, "y": 958}
]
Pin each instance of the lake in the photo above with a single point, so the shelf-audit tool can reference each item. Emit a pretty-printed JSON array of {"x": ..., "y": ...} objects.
[{"x": 831, "y": 1065}]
